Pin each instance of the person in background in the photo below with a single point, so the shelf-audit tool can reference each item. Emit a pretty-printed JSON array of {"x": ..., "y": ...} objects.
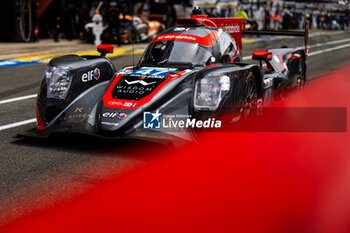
[
  {"x": 306, "y": 19},
  {"x": 229, "y": 12},
  {"x": 314, "y": 21},
  {"x": 214, "y": 12},
  {"x": 242, "y": 14},
  {"x": 267, "y": 18},
  {"x": 222, "y": 13},
  {"x": 322, "y": 19},
  {"x": 276, "y": 20},
  {"x": 287, "y": 19},
  {"x": 259, "y": 15},
  {"x": 347, "y": 20}
]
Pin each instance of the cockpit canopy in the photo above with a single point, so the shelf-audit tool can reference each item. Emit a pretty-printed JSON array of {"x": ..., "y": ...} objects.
[
  {"x": 196, "y": 51},
  {"x": 176, "y": 52}
]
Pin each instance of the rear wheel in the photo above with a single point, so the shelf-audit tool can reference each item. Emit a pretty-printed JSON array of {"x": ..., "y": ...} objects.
[{"x": 301, "y": 76}]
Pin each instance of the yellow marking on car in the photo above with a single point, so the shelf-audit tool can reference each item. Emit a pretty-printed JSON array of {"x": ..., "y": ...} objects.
[{"x": 249, "y": 76}]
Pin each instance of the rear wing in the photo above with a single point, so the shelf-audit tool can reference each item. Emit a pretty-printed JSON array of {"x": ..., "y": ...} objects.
[
  {"x": 236, "y": 27},
  {"x": 304, "y": 34}
]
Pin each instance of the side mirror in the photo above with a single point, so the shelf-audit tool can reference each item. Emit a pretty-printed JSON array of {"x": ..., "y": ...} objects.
[{"x": 104, "y": 49}]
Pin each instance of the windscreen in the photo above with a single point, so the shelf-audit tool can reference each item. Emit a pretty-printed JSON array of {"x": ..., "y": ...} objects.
[{"x": 172, "y": 52}]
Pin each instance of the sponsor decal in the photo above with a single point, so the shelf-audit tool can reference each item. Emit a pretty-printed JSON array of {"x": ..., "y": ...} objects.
[
  {"x": 132, "y": 90},
  {"x": 173, "y": 75},
  {"x": 179, "y": 74},
  {"x": 128, "y": 104},
  {"x": 110, "y": 114},
  {"x": 114, "y": 115},
  {"x": 181, "y": 29},
  {"x": 78, "y": 113},
  {"x": 121, "y": 95},
  {"x": 207, "y": 40},
  {"x": 135, "y": 88},
  {"x": 109, "y": 123},
  {"x": 122, "y": 116},
  {"x": 79, "y": 109},
  {"x": 144, "y": 83},
  {"x": 155, "y": 120},
  {"x": 148, "y": 72},
  {"x": 97, "y": 73},
  {"x": 92, "y": 74},
  {"x": 115, "y": 103},
  {"x": 231, "y": 28},
  {"x": 177, "y": 37}
]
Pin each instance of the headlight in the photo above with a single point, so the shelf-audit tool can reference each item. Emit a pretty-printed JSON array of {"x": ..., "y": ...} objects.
[
  {"x": 209, "y": 91},
  {"x": 58, "y": 81}
]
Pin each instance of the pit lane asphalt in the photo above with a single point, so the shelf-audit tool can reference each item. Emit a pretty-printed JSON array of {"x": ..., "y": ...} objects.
[{"x": 35, "y": 174}]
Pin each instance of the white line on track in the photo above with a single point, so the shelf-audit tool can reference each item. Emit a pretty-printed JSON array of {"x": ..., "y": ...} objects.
[
  {"x": 17, "y": 99},
  {"x": 329, "y": 43},
  {"x": 16, "y": 124},
  {"x": 329, "y": 50}
]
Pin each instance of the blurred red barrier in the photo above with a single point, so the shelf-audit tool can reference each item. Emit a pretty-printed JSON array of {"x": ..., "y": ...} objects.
[{"x": 230, "y": 182}]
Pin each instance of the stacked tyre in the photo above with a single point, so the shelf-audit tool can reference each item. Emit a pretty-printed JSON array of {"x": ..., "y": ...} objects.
[{"x": 16, "y": 20}]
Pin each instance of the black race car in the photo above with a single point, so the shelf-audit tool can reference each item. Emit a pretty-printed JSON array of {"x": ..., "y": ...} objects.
[{"x": 193, "y": 70}]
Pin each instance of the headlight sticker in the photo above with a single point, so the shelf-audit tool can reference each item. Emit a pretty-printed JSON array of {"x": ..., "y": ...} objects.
[
  {"x": 58, "y": 83},
  {"x": 210, "y": 90}
]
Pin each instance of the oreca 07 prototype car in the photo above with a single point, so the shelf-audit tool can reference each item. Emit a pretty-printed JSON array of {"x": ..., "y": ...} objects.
[{"x": 195, "y": 69}]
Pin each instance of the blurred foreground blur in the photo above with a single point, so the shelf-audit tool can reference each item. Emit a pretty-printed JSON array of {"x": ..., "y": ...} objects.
[{"x": 229, "y": 182}]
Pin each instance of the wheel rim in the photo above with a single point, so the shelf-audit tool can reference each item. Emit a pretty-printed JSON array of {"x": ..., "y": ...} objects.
[
  {"x": 250, "y": 103},
  {"x": 25, "y": 21},
  {"x": 301, "y": 74}
]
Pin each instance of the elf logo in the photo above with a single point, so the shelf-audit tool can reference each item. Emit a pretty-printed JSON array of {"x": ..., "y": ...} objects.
[
  {"x": 110, "y": 114},
  {"x": 86, "y": 77},
  {"x": 120, "y": 116}
]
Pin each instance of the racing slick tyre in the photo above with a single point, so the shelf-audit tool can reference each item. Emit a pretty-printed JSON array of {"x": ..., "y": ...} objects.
[
  {"x": 250, "y": 102},
  {"x": 24, "y": 20},
  {"x": 16, "y": 21},
  {"x": 301, "y": 76}
]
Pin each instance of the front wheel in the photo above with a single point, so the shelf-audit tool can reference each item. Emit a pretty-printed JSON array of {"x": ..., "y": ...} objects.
[{"x": 250, "y": 102}]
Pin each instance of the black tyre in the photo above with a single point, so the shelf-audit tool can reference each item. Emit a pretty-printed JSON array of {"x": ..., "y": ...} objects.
[
  {"x": 301, "y": 75},
  {"x": 250, "y": 102},
  {"x": 24, "y": 20}
]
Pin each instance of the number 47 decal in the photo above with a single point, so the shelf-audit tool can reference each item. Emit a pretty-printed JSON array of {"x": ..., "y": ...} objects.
[{"x": 154, "y": 71}]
